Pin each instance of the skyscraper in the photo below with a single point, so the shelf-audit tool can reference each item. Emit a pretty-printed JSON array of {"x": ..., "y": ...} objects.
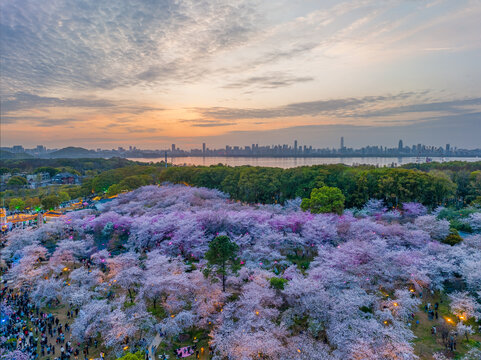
[
  {"x": 173, "y": 147},
  {"x": 448, "y": 148},
  {"x": 400, "y": 146},
  {"x": 342, "y": 142},
  {"x": 203, "y": 148},
  {"x": 295, "y": 146}
]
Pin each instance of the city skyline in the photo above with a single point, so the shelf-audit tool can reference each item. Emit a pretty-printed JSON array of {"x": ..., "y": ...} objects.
[
  {"x": 295, "y": 149},
  {"x": 102, "y": 74}
]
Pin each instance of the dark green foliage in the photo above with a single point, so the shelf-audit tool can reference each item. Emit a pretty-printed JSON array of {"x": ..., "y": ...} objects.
[
  {"x": 50, "y": 202},
  {"x": 139, "y": 355},
  {"x": 46, "y": 169},
  {"x": 16, "y": 181},
  {"x": 80, "y": 165},
  {"x": 453, "y": 238},
  {"x": 366, "y": 309},
  {"x": 357, "y": 184},
  {"x": 324, "y": 200},
  {"x": 222, "y": 253},
  {"x": 128, "y": 178},
  {"x": 278, "y": 283}
]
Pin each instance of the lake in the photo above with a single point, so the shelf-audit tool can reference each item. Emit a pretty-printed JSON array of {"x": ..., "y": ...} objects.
[{"x": 290, "y": 162}]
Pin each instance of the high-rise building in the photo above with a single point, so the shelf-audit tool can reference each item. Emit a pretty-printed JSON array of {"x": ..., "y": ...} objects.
[
  {"x": 342, "y": 142},
  {"x": 448, "y": 148},
  {"x": 173, "y": 147},
  {"x": 295, "y": 146},
  {"x": 203, "y": 148},
  {"x": 400, "y": 146}
]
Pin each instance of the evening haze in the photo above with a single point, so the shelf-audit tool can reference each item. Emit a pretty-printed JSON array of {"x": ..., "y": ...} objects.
[{"x": 151, "y": 73}]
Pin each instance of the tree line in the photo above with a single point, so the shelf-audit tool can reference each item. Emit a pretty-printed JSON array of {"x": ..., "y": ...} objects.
[
  {"x": 357, "y": 184},
  {"x": 453, "y": 184}
]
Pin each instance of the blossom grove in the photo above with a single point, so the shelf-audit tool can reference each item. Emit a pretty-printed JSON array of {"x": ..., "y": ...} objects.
[{"x": 347, "y": 294}]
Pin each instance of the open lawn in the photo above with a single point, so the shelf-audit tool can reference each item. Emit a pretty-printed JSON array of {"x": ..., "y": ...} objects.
[{"x": 426, "y": 344}]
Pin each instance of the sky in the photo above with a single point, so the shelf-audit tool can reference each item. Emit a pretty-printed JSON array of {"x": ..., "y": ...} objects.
[{"x": 97, "y": 73}]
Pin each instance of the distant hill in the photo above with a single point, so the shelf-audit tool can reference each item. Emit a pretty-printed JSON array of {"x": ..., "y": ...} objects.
[
  {"x": 72, "y": 152},
  {"x": 7, "y": 155}
]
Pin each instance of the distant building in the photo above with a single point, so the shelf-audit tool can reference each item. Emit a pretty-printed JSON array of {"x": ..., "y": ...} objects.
[
  {"x": 448, "y": 148},
  {"x": 400, "y": 146},
  {"x": 18, "y": 149},
  {"x": 342, "y": 143},
  {"x": 65, "y": 178},
  {"x": 173, "y": 147},
  {"x": 203, "y": 148}
]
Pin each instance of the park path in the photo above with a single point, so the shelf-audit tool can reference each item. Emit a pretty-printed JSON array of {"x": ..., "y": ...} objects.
[{"x": 153, "y": 346}]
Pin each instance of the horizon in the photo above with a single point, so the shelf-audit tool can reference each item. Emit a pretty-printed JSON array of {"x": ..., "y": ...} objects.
[
  {"x": 199, "y": 146},
  {"x": 149, "y": 75}
]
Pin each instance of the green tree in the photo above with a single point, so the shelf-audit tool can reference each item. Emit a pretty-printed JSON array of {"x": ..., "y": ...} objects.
[
  {"x": 136, "y": 181},
  {"x": 139, "y": 355},
  {"x": 63, "y": 196},
  {"x": 324, "y": 200},
  {"x": 278, "y": 283},
  {"x": 453, "y": 238},
  {"x": 50, "y": 202},
  {"x": 16, "y": 204},
  {"x": 222, "y": 253},
  {"x": 17, "y": 181},
  {"x": 33, "y": 202},
  {"x": 46, "y": 169},
  {"x": 115, "y": 189}
]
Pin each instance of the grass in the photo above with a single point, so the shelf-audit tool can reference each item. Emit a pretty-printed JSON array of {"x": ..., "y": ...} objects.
[
  {"x": 202, "y": 342},
  {"x": 425, "y": 344}
]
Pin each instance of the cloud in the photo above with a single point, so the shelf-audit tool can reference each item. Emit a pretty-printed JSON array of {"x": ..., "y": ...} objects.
[
  {"x": 310, "y": 108},
  {"x": 22, "y": 101},
  {"x": 270, "y": 81},
  {"x": 214, "y": 124},
  {"x": 462, "y": 106},
  {"x": 206, "y": 122},
  {"x": 25, "y": 101},
  {"x": 41, "y": 121},
  {"x": 104, "y": 45}
]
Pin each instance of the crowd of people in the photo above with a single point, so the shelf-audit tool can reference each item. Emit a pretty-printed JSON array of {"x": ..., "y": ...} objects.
[{"x": 36, "y": 333}]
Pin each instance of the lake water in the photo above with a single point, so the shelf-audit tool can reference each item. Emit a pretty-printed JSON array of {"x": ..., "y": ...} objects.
[{"x": 290, "y": 162}]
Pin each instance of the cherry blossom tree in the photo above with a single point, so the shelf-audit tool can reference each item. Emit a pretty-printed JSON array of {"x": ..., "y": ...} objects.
[
  {"x": 474, "y": 221},
  {"x": 437, "y": 229},
  {"x": 464, "y": 306}
]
